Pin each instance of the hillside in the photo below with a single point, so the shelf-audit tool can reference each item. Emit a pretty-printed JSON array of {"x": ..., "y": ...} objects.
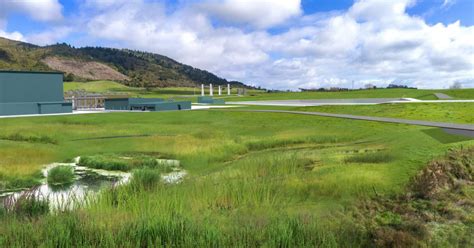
[{"x": 133, "y": 68}]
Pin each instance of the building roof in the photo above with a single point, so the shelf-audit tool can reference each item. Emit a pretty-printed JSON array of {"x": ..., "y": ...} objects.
[{"x": 31, "y": 72}]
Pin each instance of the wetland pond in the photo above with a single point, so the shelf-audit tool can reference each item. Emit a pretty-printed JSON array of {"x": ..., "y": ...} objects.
[{"x": 88, "y": 182}]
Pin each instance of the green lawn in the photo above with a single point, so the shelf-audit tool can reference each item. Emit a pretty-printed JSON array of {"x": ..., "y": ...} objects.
[{"x": 254, "y": 179}]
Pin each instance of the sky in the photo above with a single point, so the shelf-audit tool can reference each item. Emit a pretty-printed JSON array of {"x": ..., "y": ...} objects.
[{"x": 275, "y": 44}]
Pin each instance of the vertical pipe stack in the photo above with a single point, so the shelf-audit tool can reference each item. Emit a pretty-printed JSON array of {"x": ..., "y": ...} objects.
[
  {"x": 211, "y": 93},
  {"x": 228, "y": 89},
  {"x": 220, "y": 90},
  {"x": 202, "y": 89}
]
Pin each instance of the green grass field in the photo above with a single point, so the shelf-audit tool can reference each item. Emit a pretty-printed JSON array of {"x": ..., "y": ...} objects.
[
  {"x": 420, "y": 94},
  {"x": 255, "y": 95},
  {"x": 443, "y": 112},
  {"x": 254, "y": 179}
]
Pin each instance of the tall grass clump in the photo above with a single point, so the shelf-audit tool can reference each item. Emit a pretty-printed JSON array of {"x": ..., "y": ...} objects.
[
  {"x": 60, "y": 175},
  {"x": 146, "y": 178},
  {"x": 104, "y": 163},
  {"x": 370, "y": 158},
  {"x": 28, "y": 205},
  {"x": 119, "y": 162},
  {"x": 43, "y": 139}
]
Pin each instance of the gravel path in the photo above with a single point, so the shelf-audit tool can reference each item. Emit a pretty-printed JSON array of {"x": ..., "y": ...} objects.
[{"x": 442, "y": 96}]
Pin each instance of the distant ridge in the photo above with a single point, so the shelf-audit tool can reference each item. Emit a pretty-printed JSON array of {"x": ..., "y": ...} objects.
[{"x": 133, "y": 68}]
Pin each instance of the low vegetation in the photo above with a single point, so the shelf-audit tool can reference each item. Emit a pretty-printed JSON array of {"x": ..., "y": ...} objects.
[
  {"x": 436, "y": 211},
  {"x": 371, "y": 158},
  {"x": 60, "y": 175},
  {"x": 32, "y": 139},
  {"x": 124, "y": 162},
  {"x": 253, "y": 180}
]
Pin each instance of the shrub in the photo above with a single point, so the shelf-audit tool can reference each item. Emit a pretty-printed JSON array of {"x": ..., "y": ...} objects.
[{"x": 61, "y": 175}]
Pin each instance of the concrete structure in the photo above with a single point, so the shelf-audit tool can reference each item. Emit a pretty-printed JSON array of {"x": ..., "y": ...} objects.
[
  {"x": 228, "y": 89},
  {"x": 220, "y": 90},
  {"x": 26, "y": 93},
  {"x": 145, "y": 104},
  {"x": 211, "y": 92},
  {"x": 202, "y": 89},
  {"x": 210, "y": 100}
]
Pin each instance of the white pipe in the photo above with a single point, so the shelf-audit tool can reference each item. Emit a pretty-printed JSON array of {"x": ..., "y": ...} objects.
[
  {"x": 220, "y": 90},
  {"x": 211, "y": 93},
  {"x": 202, "y": 89},
  {"x": 228, "y": 89}
]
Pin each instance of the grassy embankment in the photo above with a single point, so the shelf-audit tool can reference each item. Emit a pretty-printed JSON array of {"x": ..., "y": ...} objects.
[
  {"x": 256, "y": 95},
  {"x": 170, "y": 92},
  {"x": 254, "y": 179}
]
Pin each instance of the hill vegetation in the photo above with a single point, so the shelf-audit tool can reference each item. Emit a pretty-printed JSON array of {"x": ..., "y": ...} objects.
[{"x": 133, "y": 68}]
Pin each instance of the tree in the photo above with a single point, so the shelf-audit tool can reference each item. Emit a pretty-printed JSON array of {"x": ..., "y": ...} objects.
[
  {"x": 69, "y": 77},
  {"x": 456, "y": 85},
  {"x": 370, "y": 86}
]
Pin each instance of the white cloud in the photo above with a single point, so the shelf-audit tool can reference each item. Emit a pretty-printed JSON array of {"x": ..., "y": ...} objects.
[
  {"x": 13, "y": 35},
  {"x": 50, "y": 36},
  {"x": 374, "y": 41},
  {"x": 258, "y": 13},
  {"x": 41, "y": 10}
]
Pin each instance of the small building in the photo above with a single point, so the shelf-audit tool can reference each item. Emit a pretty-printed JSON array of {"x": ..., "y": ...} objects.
[
  {"x": 26, "y": 92},
  {"x": 210, "y": 100},
  {"x": 145, "y": 104}
]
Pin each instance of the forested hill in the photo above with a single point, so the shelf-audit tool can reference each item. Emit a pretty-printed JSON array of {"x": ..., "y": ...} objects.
[{"x": 130, "y": 67}]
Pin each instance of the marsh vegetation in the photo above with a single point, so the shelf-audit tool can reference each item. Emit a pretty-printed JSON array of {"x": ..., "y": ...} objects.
[{"x": 253, "y": 179}]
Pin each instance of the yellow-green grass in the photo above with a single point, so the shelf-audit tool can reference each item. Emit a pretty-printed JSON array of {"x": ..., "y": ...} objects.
[{"x": 254, "y": 179}]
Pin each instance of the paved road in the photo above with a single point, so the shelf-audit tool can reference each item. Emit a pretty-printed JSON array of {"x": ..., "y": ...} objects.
[
  {"x": 442, "y": 96},
  {"x": 466, "y": 127}
]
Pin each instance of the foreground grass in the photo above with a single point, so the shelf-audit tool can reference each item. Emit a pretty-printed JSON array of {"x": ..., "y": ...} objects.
[{"x": 254, "y": 179}]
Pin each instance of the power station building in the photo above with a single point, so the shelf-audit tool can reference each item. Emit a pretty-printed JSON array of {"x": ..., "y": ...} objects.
[
  {"x": 145, "y": 104},
  {"x": 24, "y": 92}
]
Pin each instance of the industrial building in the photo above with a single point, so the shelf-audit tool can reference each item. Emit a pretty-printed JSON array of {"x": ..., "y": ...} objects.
[
  {"x": 24, "y": 92},
  {"x": 145, "y": 104},
  {"x": 210, "y": 100}
]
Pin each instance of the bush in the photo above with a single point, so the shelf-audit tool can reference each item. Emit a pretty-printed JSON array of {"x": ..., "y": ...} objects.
[{"x": 61, "y": 175}]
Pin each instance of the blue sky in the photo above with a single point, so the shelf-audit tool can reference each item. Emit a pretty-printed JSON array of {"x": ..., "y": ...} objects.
[{"x": 275, "y": 44}]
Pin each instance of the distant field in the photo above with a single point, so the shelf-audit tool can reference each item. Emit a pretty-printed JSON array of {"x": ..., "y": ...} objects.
[
  {"x": 378, "y": 93},
  {"x": 442, "y": 112},
  {"x": 115, "y": 87},
  {"x": 254, "y": 95}
]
